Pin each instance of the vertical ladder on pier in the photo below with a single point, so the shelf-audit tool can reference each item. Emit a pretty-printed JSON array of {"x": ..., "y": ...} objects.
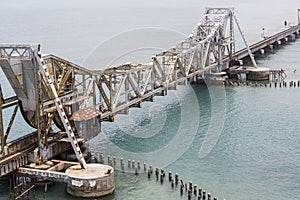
[
  {"x": 245, "y": 41},
  {"x": 63, "y": 116}
]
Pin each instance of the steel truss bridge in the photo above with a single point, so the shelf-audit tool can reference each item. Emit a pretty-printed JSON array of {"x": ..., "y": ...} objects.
[{"x": 51, "y": 90}]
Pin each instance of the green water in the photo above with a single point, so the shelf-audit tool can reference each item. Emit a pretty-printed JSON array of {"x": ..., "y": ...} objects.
[{"x": 235, "y": 142}]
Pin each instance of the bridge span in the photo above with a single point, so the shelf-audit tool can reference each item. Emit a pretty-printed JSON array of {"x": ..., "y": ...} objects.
[{"x": 268, "y": 43}]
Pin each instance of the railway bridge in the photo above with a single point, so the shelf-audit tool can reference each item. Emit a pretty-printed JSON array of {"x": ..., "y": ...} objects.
[{"x": 51, "y": 91}]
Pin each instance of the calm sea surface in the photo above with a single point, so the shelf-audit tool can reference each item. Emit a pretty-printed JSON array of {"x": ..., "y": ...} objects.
[{"x": 235, "y": 142}]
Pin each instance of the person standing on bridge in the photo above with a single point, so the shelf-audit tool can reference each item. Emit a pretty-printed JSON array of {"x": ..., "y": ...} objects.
[{"x": 264, "y": 35}]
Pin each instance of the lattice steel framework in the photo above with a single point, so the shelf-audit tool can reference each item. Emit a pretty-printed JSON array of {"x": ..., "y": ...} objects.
[{"x": 51, "y": 89}]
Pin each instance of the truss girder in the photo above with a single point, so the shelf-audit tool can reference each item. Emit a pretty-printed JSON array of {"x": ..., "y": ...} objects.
[{"x": 115, "y": 89}]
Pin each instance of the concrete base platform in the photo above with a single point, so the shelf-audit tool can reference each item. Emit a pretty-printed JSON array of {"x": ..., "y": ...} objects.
[
  {"x": 251, "y": 73},
  {"x": 215, "y": 78},
  {"x": 95, "y": 181},
  {"x": 258, "y": 74}
]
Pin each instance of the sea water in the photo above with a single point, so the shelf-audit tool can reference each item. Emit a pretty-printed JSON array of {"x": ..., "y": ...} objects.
[{"x": 234, "y": 142}]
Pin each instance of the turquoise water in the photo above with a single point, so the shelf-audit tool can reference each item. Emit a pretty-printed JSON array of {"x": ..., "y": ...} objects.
[{"x": 236, "y": 142}]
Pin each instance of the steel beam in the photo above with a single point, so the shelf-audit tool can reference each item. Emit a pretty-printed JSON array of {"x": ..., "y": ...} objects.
[{"x": 2, "y": 135}]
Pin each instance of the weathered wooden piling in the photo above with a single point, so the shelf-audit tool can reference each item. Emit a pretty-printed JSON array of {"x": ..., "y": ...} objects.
[
  {"x": 170, "y": 175},
  {"x": 101, "y": 158},
  {"x": 208, "y": 196},
  {"x": 129, "y": 163},
  {"x": 122, "y": 164},
  {"x": 161, "y": 178},
  {"x": 176, "y": 178},
  {"x": 189, "y": 194},
  {"x": 133, "y": 164},
  {"x": 181, "y": 189},
  {"x": 156, "y": 172},
  {"x": 149, "y": 173},
  {"x": 172, "y": 183},
  {"x": 162, "y": 171},
  {"x": 114, "y": 160},
  {"x": 190, "y": 185},
  {"x": 138, "y": 165},
  {"x": 108, "y": 160},
  {"x": 200, "y": 192}
]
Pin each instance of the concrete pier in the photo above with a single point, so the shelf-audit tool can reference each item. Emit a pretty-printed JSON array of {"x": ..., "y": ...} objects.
[
  {"x": 250, "y": 73},
  {"x": 258, "y": 74},
  {"x": 95, "y": 181}
]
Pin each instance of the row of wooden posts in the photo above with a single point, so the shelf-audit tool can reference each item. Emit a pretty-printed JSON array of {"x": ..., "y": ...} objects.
[
  {"x": 184, "y": 188},
  {"x": 281, "y": 84}
]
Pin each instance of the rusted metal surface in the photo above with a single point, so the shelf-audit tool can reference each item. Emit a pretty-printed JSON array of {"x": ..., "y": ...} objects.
[
  {"x": 85, "y": 114},
  {"x": 11, "y": 121},
  {"x": 51, "y": 90},
  {"x": 11, "y": 101}
]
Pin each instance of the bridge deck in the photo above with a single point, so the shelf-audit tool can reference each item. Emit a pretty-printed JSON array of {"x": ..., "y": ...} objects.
[{"x": 265, "y": 43}]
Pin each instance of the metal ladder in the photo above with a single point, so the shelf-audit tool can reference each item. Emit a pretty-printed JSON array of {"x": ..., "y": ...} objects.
[
  {"x": 244, "y": 39},
  {"x": 62, "y": 114}
]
